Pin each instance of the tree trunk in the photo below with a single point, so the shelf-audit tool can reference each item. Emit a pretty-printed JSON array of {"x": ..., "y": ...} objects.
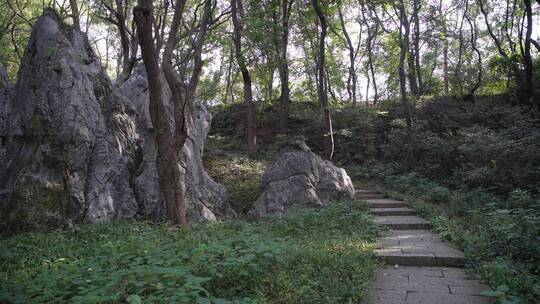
[
  {"x": 445, "y": 49},
  {"x": 460, "y": 55},
  {"x": 411, "y": 72},
  {"x": 471, "y": 96},
  {"x": 404, "y": 47},
  {"x": 527, "y": 58},
  {"x": 321, "y": 92},
  {"x": 248, "y": 93},
  {"x": 445, "y": 67},
  {"x": 228, "y": 78},
  {"x": 124, "y": 41},
  {"x": 372, "y": 34},
  {"x": 367, "y": 89},
  {"x": 351, "y": 80},
  {"x": 284, "y": 67},
  {"x": 75, "y": 14},
  {"x": 490, "y": 31},
  {"x": 170, "y": 177},
  {"x": 418, "y": 71}
]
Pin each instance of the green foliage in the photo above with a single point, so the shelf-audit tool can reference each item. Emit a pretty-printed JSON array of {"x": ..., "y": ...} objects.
[
  {"x": 227, "y": 162},
  {"x": 308, "y": 256},
  {"x": 354, "y": 131},
  {"x": 491, "y": 145}
]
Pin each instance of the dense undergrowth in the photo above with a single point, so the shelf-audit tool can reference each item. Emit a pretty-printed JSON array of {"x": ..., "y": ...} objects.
[{"x": 307, "y": 256}]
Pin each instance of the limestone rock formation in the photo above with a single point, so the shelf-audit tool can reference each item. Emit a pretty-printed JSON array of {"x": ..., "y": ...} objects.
[
  {"x": 208, "y": 199},
  {"x": 74, "y": 150},
  {"x": 301, "y": 179}
]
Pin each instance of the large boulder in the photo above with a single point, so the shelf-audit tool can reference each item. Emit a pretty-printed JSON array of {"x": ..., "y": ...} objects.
[
  {"x": 76, "y": 151},
  {"x": 300, "y": 178}
]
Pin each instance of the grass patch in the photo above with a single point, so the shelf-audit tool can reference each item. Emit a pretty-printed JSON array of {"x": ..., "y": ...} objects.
[{"x": 307, "y": 256}]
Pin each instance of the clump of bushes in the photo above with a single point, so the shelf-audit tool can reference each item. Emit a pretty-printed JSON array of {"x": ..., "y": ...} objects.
[{"x": 492, "y": 145}]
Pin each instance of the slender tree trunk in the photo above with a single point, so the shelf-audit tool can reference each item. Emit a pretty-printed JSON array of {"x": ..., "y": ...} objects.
[
  {"x": 527, "y": 58},
  {"x": 367, "y": 89},
  {"x": 445, "y": 49},
  {"x": 411, "y": 72},
  {"x": 270, "y": 84},
  {"x": 473, "y": 45},
  {"x": 351, "y": 80},
  {"x": 124, "y": 40},
  {"x": 75, "y": 14},
  {"x": 167, "y": 158},
  {"x": 416, "y": 17},
  {"x": 321, "y": 92},
  {"x": 490, "y": 31},
  {"x": 373, "y": 79},
  {"x": 133, "y": 48},
  {"x": 372, "y": 34},
  {"x": 283, "y": 69},
  {"x": 228, "y": 80},
  {"x": 460, "y": 57},
  {"x": 404, "y": 47},
  {"x": 248, "y": 93}
]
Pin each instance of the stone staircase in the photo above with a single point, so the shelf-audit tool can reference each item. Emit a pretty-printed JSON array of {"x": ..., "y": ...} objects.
[{"x": 421, "y": 268}]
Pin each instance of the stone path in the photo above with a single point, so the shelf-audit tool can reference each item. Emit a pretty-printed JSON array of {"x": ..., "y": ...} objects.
[{"x": 421, "y": 268}]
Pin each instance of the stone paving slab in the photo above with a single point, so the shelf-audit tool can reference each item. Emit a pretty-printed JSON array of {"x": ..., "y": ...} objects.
[
  {"x": 430, "y": 285},
  {"x": 393, "y": 211},
  {"x": 417, "y": 247},
  {"x": 403, "y": 222}
]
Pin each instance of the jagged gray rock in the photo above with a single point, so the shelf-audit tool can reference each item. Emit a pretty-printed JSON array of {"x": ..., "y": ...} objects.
[
  {"x": 75, "y": 150},
  {"x": 207, "y": 199},
  {"x": 301, "y": 179}
]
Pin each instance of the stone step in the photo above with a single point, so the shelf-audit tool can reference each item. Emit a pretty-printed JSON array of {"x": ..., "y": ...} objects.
[
  {"x": 417, "y": 248},
  {"x": 367, "y": 192},
  {"x": 420, "y": 259},
  {"x": 368, "y": 196},
  {"x": 385, "y": 203},
  {"x": 403, "y": 222},
  {"x": 392, "y": 211}
]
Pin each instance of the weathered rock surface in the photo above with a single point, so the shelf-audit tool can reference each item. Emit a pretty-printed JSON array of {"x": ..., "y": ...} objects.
[
  {"x": 301, "y": 179},
  {"x": 75, "y": 150},
  {"x": 208, "y": 199}
]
